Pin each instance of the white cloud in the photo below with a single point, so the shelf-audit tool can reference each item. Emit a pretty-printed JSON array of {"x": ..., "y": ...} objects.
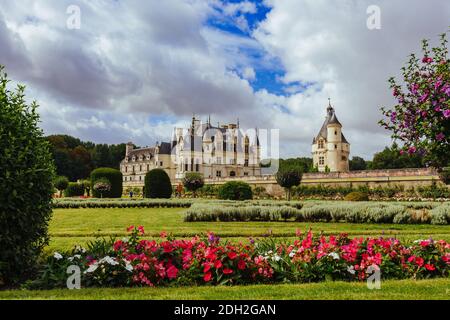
[
  {"x": 134, "y": 60},
  {"x": 328, "y": 43}
]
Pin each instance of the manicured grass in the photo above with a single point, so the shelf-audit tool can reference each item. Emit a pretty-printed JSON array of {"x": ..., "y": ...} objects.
[
  {"x": 399, "y": 289},
  {"x": 76, "y": 226}
]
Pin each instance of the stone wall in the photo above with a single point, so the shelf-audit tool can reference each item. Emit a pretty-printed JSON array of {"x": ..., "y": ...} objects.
[
  {"x": 406, "y": 177},
  {"x": 372, "y": 178}
]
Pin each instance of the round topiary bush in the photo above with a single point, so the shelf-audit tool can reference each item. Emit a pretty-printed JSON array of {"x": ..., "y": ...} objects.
[
  {"x": 26, "y": 185},
  {"x": 235, "y": 190},
  {"x": 357, "y": 196},
  {"x": 114, "y": 177},
  {"x": 74, "y": 189},
  {"x": 157, "y": 184}
]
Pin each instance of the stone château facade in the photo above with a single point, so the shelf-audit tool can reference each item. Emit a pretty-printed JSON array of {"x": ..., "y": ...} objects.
[
  {"x": 217, "y": 152},
  {"x": 330, "y": 149}
]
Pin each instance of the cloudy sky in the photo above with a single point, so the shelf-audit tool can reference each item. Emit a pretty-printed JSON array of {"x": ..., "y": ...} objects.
[{"x": 135, "y": 69}]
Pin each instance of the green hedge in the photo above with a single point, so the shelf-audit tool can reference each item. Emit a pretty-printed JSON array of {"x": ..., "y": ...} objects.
[
  {"x": 235, "y": 190},
  {"x": 106, "y": 203},
  {"x": 74, "y": 189},
  {"x": 114, "y": 177},
  {"x": 157, "y": 184}
]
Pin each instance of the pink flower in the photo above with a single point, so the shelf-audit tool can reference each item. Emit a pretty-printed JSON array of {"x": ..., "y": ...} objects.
[
  {"x": 411, "y": 150},
  {"x": 446, "y": 113},
  {"x": 130, "y": 228},
  {"x": 163, "y": 234},
  {"x": 440, "y": 136},
  {"x": 427, "y": 60},
  {"x": 172, "y": 272}
]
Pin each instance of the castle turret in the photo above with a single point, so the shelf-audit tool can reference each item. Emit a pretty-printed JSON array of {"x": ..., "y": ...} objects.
[{"x": 330, "y": 149}]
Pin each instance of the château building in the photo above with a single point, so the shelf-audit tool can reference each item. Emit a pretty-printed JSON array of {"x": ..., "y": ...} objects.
[
  {"x": 330, "y": 148},
  {"x": 216, "y": 152}
]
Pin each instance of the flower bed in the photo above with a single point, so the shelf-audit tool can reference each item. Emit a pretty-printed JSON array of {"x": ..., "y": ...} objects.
[{"x": 137, "y": 262}]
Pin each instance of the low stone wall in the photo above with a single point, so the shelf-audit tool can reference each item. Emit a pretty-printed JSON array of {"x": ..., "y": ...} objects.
[
  {"x": 406, "y": 177},
  {"x": 372, "y": 178}
]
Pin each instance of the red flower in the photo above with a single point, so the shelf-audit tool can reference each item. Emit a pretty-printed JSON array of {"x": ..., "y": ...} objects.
[
  {"x": 217, "y": 264},
  {"x": 172, "y": 272},
  {"x": 207, "y": 277},
  {"x": 163, "y": 234},
  {"x": 118, "y": 245},
  {"x": 130, "y": 228},
  {"x": 232, "y": 255},
  {"x": 227, "y": 271},
  {"x": 167, "y": 246},
  {"x": 241, "y": 265},
  {"x": 419, "y": 261},
  {"x": 430, "y": 267},
  {"x": 206, "y": 268},
  {"x": 141, "y": 230}
]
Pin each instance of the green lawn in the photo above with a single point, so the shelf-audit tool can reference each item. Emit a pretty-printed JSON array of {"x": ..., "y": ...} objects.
[
  {"x": 75, "y": 226},
  {"x": 400, "y": 289}
]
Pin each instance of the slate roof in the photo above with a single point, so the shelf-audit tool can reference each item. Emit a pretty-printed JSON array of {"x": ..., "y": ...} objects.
[{"x": 330, "y": 119}]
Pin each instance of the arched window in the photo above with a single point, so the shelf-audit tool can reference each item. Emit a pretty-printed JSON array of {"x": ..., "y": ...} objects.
[{"x": 232, "y": 174}]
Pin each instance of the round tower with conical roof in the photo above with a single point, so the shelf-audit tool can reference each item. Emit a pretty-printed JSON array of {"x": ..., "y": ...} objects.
[{"x": 330, "y": 149}]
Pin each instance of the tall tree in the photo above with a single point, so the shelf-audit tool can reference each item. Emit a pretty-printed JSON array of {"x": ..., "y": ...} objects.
[{"x": 421, "y": 117}]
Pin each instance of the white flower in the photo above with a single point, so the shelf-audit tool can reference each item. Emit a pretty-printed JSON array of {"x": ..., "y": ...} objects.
[
  {"x": 109, "y": 260},
  {"x": 92, "y": 268},
  {"x": 77, "y": 256},
  {"x": 292, "y": 254},
  {"x": 129, "y": 267},
  {"x": 57, "y": 256},
  {"x": 125, "y": 239},
  {"x": 276, "y": 258},
  {"x": 351, "y": 270},
  {"x": 334, "y": 255}
]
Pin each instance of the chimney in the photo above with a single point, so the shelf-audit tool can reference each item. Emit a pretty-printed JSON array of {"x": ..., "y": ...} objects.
[{"x": 129, "y": 147}]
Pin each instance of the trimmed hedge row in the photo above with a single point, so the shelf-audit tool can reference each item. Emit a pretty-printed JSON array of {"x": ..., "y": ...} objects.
[
  {"x": 335, "y": 212},
  {"x": 74, "y": 189},
  {"x": 122, "y": 204}
]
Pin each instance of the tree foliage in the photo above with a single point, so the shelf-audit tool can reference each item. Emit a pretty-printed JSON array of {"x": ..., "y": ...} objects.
[
  {"x": 193, "y": 181},
  {"x": 235, "y": 190},
  {"x": 392, "y": 158},
  {"x": 26, "y": 184},
  {"x": 61, "y": 183},
  {"x": 288, "y": 178},
  {"x": 75, "y": 159},
  {"x": 357, "y": 163},
  {"x": 421, "y": 117},
  {"x": 157, "y": 184}
]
